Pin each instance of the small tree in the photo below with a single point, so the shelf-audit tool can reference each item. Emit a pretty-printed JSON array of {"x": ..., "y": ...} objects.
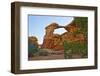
[
  {"x": 67, "y": 49},
  {"x": 32, "y": 48},
  {"x": 74, "y": 48}
]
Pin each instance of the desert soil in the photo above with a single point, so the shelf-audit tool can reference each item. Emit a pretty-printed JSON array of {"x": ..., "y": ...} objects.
[{"x": 51, "y": 56}]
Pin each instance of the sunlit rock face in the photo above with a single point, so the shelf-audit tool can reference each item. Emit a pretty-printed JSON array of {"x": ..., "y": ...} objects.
[{"x": 55, "y": 41}]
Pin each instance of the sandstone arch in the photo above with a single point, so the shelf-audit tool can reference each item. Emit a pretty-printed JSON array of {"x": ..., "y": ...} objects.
[{"x": 55, "y": 41}]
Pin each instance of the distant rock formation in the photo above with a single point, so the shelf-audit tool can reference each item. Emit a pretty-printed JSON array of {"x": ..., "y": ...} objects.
[
  {"x": 55, "y": 41},
  {"x": 33, "y": 40}
]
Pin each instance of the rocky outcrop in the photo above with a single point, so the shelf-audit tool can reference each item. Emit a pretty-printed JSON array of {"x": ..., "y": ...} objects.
[
  {"x": 33, "y": 40},
  {"x": 55, "y": 41},
  {"x": 50, "y": 29},
  {"x": 72, "y": 27},
  {"x": 50, "y": 38}
]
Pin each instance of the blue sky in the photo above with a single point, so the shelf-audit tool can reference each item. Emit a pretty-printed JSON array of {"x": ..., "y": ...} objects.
[{"x": 37, "y": 24}]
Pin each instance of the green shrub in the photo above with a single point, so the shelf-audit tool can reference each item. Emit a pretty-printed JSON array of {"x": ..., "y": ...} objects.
[
  {"x": 43, "y": 53},
  {"x": 74, "y": 48},
  {"x": 82, "y": 22},
  {"x": 32, "y": 49}
]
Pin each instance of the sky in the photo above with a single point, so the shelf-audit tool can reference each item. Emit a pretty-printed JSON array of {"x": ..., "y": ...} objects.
[{"x": 37, "y": 24}]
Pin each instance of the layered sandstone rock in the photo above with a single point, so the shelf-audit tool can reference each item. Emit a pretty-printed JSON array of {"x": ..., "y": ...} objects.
[
  {"x": 50, "y": 29},
  {"x": 55, "y": 41},
  {"x": 72, "y": 27},
  {"x": 48, "y": 41}
]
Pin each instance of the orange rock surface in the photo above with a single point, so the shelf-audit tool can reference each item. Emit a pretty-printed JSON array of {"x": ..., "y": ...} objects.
[{"x": 55, "y": 41}]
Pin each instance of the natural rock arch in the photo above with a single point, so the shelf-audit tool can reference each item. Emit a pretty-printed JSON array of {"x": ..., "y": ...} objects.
[{"x": 55, "y": 41}]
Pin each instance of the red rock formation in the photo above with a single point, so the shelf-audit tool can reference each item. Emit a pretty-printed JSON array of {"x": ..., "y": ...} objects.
[
  {"x": 55, "y": 41},
  {"x": 48, "y": 41},
  {"x": 72, "y": 27},
  {"x": 50, "y": 29}
]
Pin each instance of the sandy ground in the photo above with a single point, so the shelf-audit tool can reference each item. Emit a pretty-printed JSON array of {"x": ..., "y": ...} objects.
[{"x": 51, "y": 56}]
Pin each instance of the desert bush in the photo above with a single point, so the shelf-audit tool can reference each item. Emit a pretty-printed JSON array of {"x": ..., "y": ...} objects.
[
  {"x": 82, "y": 22},
  {"x": 43, "y": 52},
  {"x": 32, "y": 49},
  {"x": 74, "y": 48}
]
